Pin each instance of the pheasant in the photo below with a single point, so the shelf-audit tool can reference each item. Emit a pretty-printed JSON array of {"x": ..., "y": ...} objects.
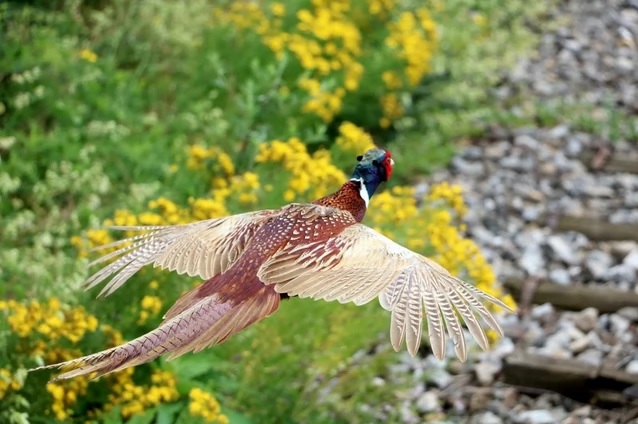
[{"x": 252, "y": 260}]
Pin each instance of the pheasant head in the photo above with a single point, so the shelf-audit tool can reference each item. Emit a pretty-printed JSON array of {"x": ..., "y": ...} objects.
[{"x": 374, "y": 167}]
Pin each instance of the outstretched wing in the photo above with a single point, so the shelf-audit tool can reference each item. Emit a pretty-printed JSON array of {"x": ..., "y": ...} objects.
[
  {"x": 360, "y": 264},
  {"x": 203, "y": 248}
]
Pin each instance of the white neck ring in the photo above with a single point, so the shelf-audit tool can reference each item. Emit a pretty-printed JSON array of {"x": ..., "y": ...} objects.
[{"x": 363, "y": 192}]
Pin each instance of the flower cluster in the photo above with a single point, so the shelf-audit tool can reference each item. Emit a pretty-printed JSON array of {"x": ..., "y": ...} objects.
[
  {"x": 203, "y": 404},
  {"x": 199, "y": 156},
  {"x": 326, "y": 40},
  {"x": 151, "y": 306},
  {"x": 134, "y": 398},
  {"x": 394, "y": 208},
  {"x": 247, "y": 15},
  {"x": 43, "y": 327},
  {"x": 9, "y": 382},
  {"x": 50, "y": 319},
  {"x": 33, "y": 322},
  {"x": 392, "y": 109},
  {"x": 353, "y": 140},
  {"x": 448, "y": 194},
  {"x": 311, "y": 175},
  {"x": 88, "y": 55},
  {"x": 414, "y": 36},
  {"x": 65, "y": 395}
]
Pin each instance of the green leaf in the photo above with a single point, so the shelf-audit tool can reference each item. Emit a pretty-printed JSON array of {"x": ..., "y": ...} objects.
[
  {"x": 166, "y": 412},
  {"x": 191, "y": 367},
  {"x": 114, "y": 416},
  {"x": 236, "y": 417},
  {"x": 145, "y": 418}
]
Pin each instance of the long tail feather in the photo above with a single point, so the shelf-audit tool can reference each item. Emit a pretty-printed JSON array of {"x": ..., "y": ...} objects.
[
  {"x": 200, "y": 322},
  {"x": 171, "y": 335}
]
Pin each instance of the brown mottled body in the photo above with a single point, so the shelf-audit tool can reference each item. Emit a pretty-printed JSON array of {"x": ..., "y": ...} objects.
[
  {"x": 240, "y": 282},
  {"x": 347, "y": 199}
]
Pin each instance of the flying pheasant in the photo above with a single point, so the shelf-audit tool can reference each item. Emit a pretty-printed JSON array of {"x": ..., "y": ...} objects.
[{"x": 252, "y": 260}]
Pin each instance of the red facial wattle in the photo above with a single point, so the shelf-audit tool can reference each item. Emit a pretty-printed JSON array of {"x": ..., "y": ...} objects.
[{"x": 388, "y": 164}]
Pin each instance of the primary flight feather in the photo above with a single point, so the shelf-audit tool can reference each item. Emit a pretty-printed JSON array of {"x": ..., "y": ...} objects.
[{"x": 318, "y": 250}]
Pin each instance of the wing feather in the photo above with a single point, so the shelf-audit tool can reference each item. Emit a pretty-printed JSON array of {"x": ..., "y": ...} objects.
[
  {"x": 414, "y": 312},
  {"x": 360, "y": 264},
  {"x": 452, "y": 323},
  {"x": 436, "y": 327},
  {"x": 204, "y": 248}
]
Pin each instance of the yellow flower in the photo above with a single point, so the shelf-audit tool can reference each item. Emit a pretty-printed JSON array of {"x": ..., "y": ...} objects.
[
  {"x": 380, "y": 7},
  {"x": 392, "y": 80},
  {"x": 205, "y": 405},
  {"x": 99, "y": 237},
  {"x": 353, "y": 139},
  {"x": 278, "y": 9},
  {"x": 196, "y": 156},
  {"x": 88, "y": 55},
  {"x": 151, "y": 305},
  {"x": 207, "y": 208},
  {"x": 9, "y": 382},
  {"x": 312, "y": 175},
  {"x": 414, "y": 37},
  {"x": 479, "y": 19},
  {"x": 392, "y": 109}
]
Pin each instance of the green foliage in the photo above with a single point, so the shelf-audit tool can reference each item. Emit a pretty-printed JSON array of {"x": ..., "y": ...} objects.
[{"x": 100, "y": 102}]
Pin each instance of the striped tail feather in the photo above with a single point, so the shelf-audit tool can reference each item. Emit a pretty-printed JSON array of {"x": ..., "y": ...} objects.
[{"x": 172, "y": 335}]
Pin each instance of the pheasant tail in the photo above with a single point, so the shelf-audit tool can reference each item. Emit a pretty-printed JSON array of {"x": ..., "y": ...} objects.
[{"x": 207, "y": 321}]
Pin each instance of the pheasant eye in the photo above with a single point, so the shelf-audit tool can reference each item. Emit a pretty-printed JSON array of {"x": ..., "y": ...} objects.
[{"x": 359, "y": 158}]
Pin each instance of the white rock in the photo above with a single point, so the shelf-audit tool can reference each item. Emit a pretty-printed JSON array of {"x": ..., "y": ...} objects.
[
  {"x": 629, "y": 312},
  {"x": 560, "y": 276},
  {"x": 593, "y": 357},
  {"x": 599, "y": 191},
  {"x": 555, "y": 351},
  {"x": 504, "y": 347},
  {"x": 559, "y": 339},
  {"x": 621, "y": 249},
  {"x": 537, "y": 416},
  {"x": 620, "y": 273},
  {"x": 487, "y": 417},
  {"x": 586, "y": 319},
  {"x": 619, "y": 324},
  {"x": 428, "y": 402},
  {"x": 532, "y": 260},
  {"x": 579, "y": 345},
  {"x": 631, "y": 259},
  {"x": 598, "y": 262},
  {"x": 526, "y": 141},
  {"x": 485, "y": 372},
  {"x": 544, "y": 311},
  {"x": 564, "y": 251},
  {"x": 632, "y": 367}
]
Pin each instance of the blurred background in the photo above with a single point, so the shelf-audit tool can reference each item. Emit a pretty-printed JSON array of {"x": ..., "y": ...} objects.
[{"x": 513, "y": 126}]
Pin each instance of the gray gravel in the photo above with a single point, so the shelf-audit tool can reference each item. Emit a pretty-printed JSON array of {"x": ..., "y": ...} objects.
[{"x": 593, "y": 58}]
